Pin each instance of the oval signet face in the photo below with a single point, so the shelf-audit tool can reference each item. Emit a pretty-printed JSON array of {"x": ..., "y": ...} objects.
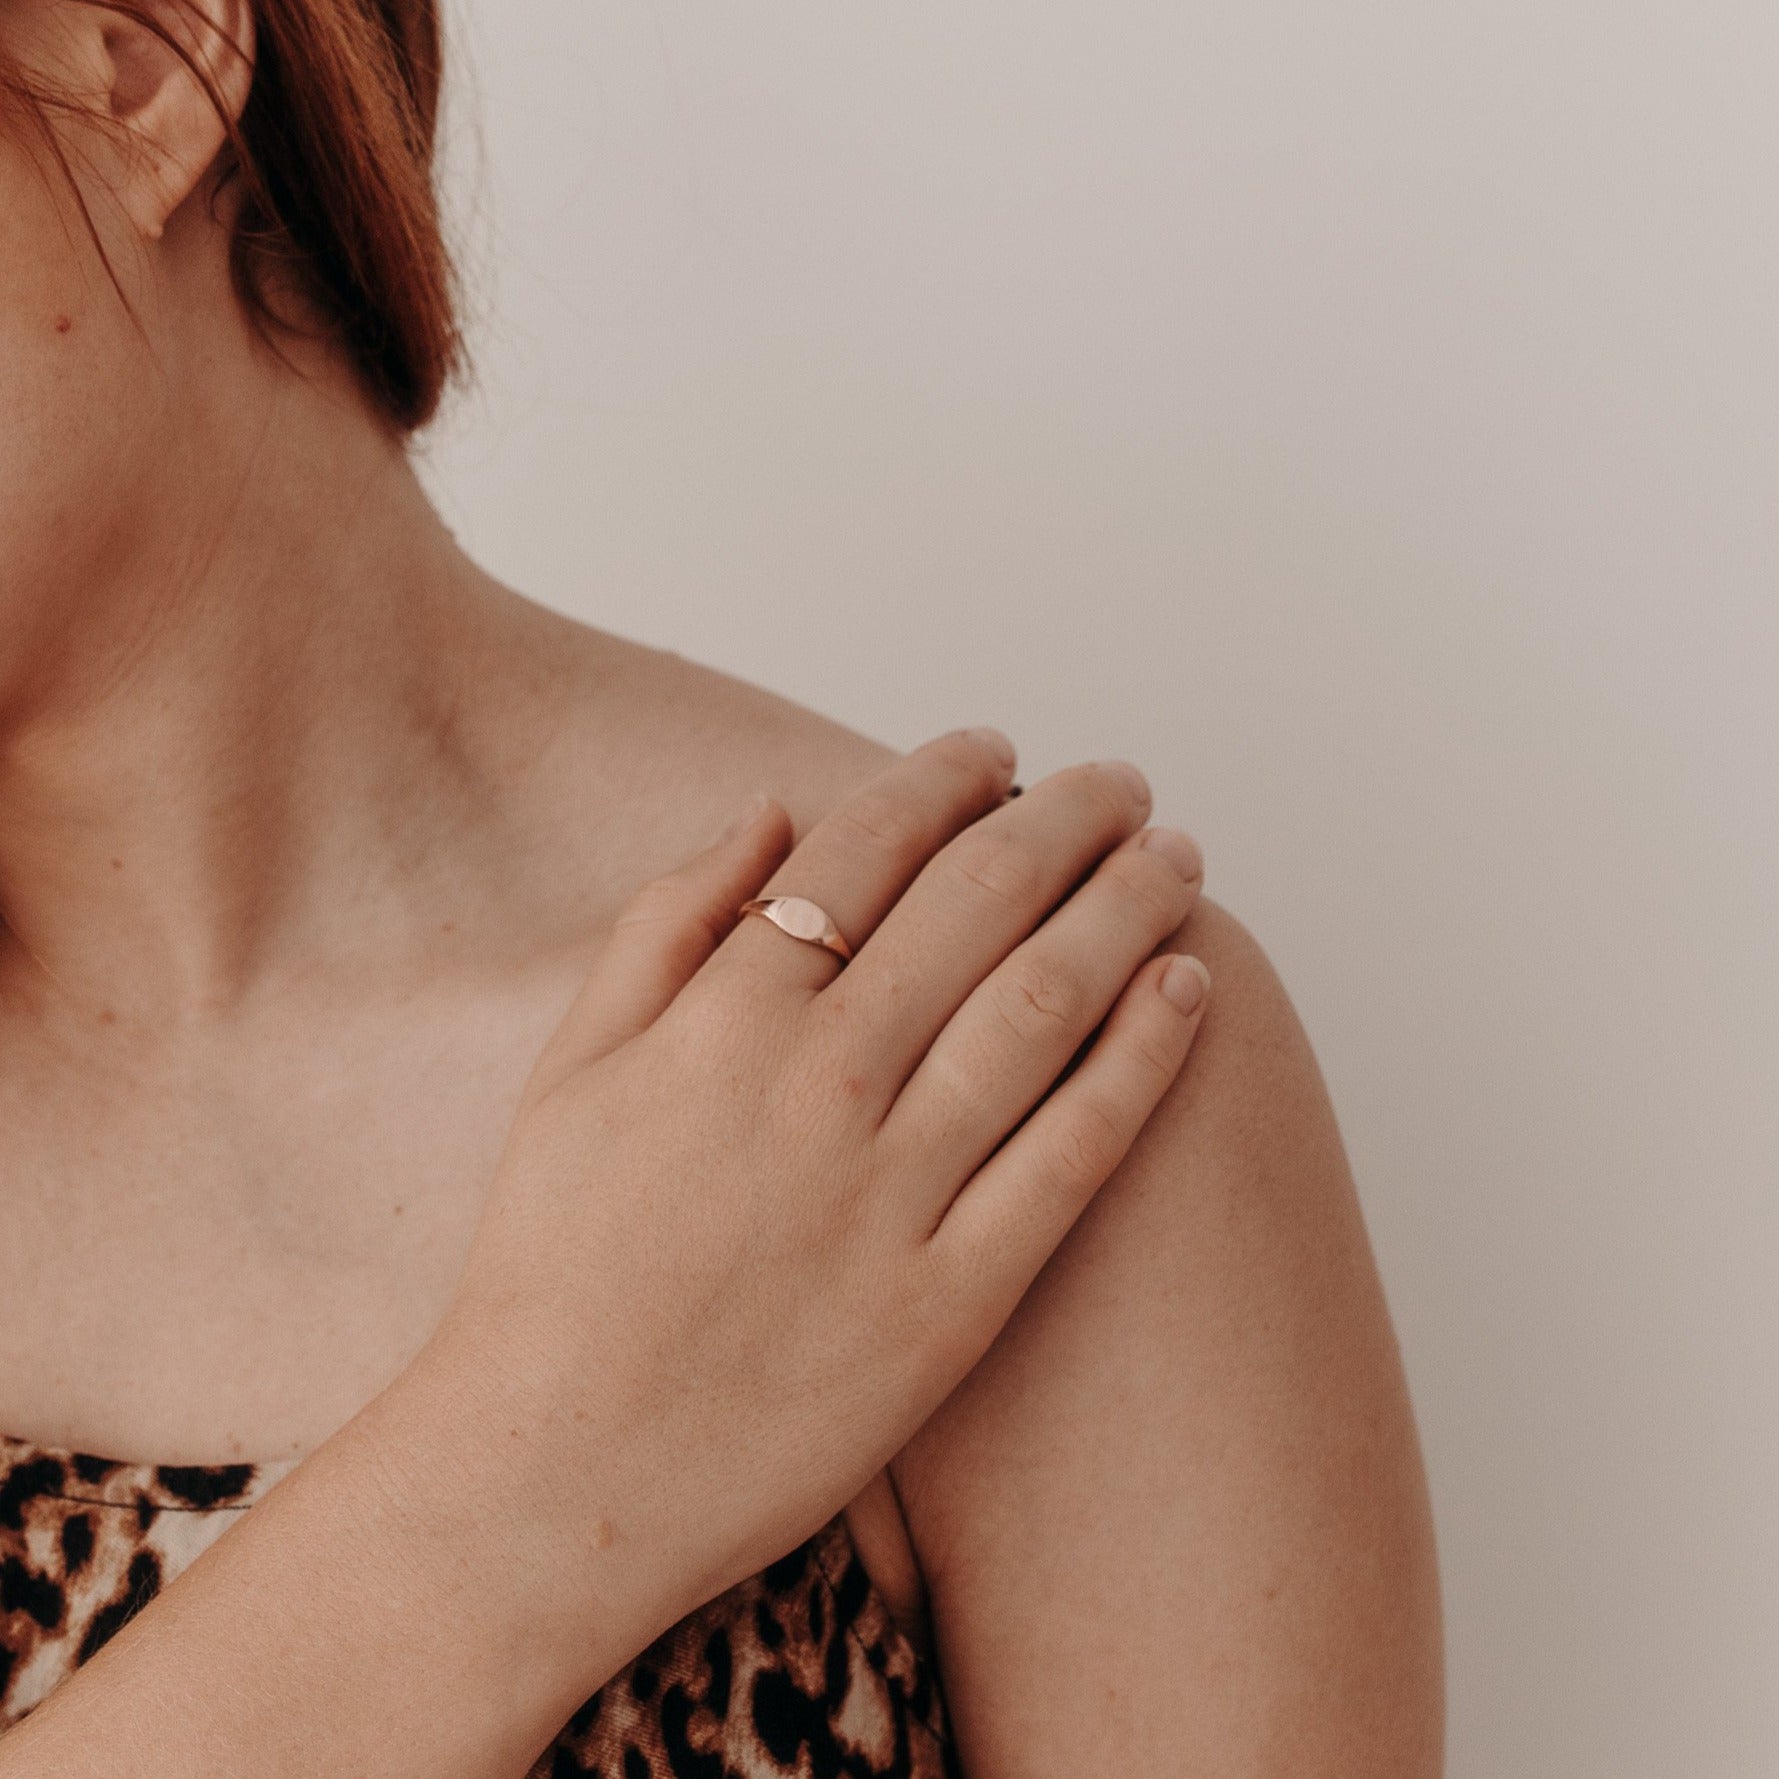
[{"x": 801, "y": 919}]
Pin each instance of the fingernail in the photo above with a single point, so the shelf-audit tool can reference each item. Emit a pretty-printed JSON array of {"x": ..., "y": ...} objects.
[
  {"x": 1186, "y": 982},
  {"x": 1127, "y": 774},
  {"x": 1180, "y": 850},
  {"x": 997, "y": 744},
  {"x": 745, "y": 818}
]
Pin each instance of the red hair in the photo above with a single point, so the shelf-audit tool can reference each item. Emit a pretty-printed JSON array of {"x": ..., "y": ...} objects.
[{"x": 334, "y": 155}]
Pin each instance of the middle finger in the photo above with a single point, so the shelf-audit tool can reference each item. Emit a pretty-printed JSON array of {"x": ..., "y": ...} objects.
[{"x": 974, "y": 901}]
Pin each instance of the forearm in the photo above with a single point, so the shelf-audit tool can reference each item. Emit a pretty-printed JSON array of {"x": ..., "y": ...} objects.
[{"x": 417, "y": 1598}]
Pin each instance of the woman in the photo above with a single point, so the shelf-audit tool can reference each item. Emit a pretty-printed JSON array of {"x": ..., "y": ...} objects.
[{"x": 644, "y": 1287}]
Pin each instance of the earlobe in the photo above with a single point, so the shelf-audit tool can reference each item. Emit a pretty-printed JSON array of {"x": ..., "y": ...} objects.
[{"x": 177, "y": 75}]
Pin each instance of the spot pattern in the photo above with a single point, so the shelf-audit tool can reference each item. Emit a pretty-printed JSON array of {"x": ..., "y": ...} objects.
[{"x": 797, "y": 1673}]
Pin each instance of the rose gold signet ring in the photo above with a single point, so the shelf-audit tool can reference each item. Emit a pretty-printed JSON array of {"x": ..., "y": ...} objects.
[{"x": 802, "y": 919}]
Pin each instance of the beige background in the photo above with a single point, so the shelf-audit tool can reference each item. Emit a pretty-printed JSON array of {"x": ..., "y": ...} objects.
[{"x": 1367, "y": 417}]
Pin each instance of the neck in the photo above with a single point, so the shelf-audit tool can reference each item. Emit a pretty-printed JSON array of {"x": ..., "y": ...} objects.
[{"x": 231, "y": 755}]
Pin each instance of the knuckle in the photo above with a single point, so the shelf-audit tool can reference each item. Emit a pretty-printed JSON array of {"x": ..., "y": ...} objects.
[
  {"x": 658, "y": 899},
  {"x": 923, "y": 1285},
  {"x": 1089, "y": 1142},
  {"x": 954, "y": 1078},
  {"x": 1000, "y": 868},
  {"x": 1159, "y": 1060},
  {"x": 1154, "y": 888},
  {"x": 925, "y": 1301},
  {"x": 1108, "y": 795},
  {"x": 943, "y": 1299},
  {"x": 662, "y": 910},
  {"x": 881, "y": 821},
  {"x": 970, "y": 762},
  {"x": 1041, "y": 999}
]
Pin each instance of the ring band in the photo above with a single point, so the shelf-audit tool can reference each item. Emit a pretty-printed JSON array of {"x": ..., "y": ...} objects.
[{"x": 802, "y": 919}]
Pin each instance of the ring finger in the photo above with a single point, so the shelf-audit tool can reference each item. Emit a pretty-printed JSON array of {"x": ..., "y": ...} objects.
[{"x": 859, "y": 858}]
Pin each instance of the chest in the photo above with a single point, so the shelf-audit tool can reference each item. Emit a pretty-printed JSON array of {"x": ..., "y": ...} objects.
[
  {"x": 217, "y": 1253},
  {"x": 222, "y": 1247}
]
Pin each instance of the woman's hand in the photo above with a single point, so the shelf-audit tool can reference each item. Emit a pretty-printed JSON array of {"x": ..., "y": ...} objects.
[{"x": 760, "y": 1212}]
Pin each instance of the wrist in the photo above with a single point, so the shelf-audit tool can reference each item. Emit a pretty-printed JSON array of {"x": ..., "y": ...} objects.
[
  {"x": 420, "y": 1598},
  {"x": 544, "y": 1503}
]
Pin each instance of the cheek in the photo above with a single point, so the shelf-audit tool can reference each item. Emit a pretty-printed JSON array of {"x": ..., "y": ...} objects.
[{"x": 72, "y": 405}]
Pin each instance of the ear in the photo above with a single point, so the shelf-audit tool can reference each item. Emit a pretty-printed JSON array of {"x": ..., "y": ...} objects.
[{"x": 147, "y": 54}]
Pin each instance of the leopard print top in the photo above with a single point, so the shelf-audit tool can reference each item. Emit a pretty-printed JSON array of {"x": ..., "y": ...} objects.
[{"x": 798, "y": 1673}]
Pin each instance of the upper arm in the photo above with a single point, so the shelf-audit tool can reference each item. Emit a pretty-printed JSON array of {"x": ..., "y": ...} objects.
[{"x": 1175, "y": 1521}]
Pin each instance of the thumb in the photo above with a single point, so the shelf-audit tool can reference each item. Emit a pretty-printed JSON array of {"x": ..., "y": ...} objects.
[{"x": 668, "y": 928}]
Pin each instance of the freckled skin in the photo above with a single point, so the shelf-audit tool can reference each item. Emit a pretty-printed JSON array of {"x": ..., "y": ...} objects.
[
  {"x": 1199, "y": 1398},
  {"x": 71, "y": 422}
]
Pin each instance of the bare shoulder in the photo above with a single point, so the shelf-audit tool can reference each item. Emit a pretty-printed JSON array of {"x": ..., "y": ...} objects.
[
  {"x": 1176, "y": 1520},
  {"x": 654, "y": 751},
  {"x": 739, "y": 737}
]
